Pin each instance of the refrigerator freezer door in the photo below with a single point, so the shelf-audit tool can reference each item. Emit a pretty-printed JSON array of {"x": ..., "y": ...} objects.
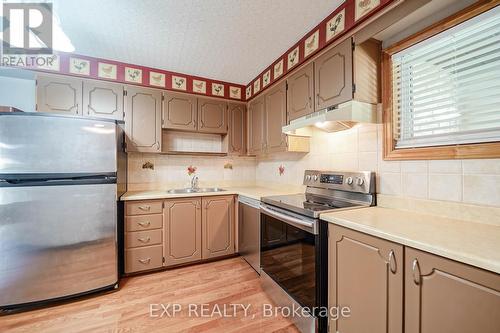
[
  {"x": 56, "y": 241},
  {"x": 37, "y": 144}
]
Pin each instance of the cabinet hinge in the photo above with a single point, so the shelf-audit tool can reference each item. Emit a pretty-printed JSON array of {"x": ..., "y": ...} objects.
[
  {"x": 163, "y": 259},
  {"x": 353, "y": 88},
  {"x": 163, "y": 204},
  {"x": 353, "y": 45},
  {"x": 124, "y": 93},
  {"x": 286, "y": 86},
  {"x": 162, "y": 97}
]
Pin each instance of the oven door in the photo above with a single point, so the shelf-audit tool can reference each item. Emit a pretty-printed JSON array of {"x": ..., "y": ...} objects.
[{"x": 289, "y": 253}]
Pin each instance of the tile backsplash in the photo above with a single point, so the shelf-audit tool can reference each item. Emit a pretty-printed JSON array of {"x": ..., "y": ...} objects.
[
  {"x": 171, "y": 171},
  {"x": 360, "y": 148}
]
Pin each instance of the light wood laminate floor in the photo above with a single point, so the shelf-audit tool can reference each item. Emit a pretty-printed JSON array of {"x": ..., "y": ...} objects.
[{"x": 229, "y": 281}]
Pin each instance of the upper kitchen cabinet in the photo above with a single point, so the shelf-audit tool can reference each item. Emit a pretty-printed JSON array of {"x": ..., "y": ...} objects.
[
  {"x": 442, "y": 295},
  {"x": 143, "y": 119},
  {"x": 343, "y": 74},
  {"x": 180, "y": 112},
  {"x": 212, "y": 116},
  {"x": 300, "y": 93},
  {"x": 256, "y": 113},
  {"x": 365, "y": 273},
  {"x": 103, "y": 100},
  {"x": 275, "y": 118},
  {"x": 237, "y": 116},
  {"x": 59, "y": 94}
]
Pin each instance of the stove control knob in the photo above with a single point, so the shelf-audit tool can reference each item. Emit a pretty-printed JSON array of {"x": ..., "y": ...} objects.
[
  {"x": 349, "y": 180},
  {"x": 315, "y": 177},
  {"x": 360, "y": 181},
  {"x": 308, "y": 177}
]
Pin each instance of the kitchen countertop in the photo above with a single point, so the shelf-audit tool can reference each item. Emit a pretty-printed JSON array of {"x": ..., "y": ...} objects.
[
  {"x": 476, "y": 244},
  {"x": 254, "y": 192}
]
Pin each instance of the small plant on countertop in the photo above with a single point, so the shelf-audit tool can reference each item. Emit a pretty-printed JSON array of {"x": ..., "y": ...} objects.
[{"x": 191, "y": 170}]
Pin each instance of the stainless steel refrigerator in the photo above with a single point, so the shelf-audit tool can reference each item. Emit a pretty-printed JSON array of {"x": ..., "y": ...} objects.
[{"x": 60, "y": 181}]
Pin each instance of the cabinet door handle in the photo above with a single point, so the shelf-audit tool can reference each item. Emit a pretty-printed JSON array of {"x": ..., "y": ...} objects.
[
  {"x": 145, "y": 208},
  {"x": 392, "y": 262},
  {"x": 310, "y": 101},
  {"x": 144, "y": 240},
  {"x": 145, "y": 261},
  {"x": 317, "y": 98},
  {"x": 144, "y": 224},
  {"x": 416, "y": 272}
]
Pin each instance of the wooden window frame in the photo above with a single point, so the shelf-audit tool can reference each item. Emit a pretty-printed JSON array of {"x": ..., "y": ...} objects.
[{"x": 458, "y": 151}]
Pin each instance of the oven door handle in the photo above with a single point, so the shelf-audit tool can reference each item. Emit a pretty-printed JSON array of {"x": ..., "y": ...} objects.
[{"x": 289, "y": 219}]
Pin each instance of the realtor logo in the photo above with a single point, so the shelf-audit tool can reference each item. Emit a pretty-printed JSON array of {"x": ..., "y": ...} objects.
[{"x": 27, "y": 28}]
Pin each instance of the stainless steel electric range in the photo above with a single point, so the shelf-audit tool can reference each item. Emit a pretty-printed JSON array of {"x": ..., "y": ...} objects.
[{"x": 294, "y": 246}]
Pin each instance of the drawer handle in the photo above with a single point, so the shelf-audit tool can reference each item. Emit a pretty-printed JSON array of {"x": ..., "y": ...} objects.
[
  {"x": 416, "y": 272},
  {"x": 145, "y": 261},
  {"x": 144, "y": 224},
  {"x": 145, "y": 208},
  {"x": 144, "y": 240},
  {"x": 392, "y": 262}
]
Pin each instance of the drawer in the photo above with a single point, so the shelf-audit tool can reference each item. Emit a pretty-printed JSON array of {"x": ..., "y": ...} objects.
[
  {"x": 143, "y": 258},
  {"x": 143, "y": 207},
  {"x": 143, "y": 222},
  {"x": 143, "y": 238}
]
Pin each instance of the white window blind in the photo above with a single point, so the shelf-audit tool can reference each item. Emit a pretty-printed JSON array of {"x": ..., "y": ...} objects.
[{"x": 446, "y": 89}]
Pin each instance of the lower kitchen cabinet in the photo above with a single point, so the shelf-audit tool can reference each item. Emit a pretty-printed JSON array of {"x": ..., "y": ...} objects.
[
  {"x": 365, "y": 274},
  {"x": 444, "y": 296},
  {"x": 218, "y": 226},
  {"x": 182, "y": 231},
  {"x": 381, "y": 286}
]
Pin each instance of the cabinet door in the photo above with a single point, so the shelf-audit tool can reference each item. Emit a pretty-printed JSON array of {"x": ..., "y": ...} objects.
[
  {"x": 365, "y": 274},
  {"x": 182, "y": 241},
  {"x": 256, "y": 112},
  {"x": 180, "y": 112},
  {"x": 333, "y": 76},
  {"x": 143, "y": 119},
  {"x": 212, "y": 116},
  {"x": 275, "y": 119},
  {"x": 56, "y": 94},
  {"x": 237, "y": 128},
  {"x": 103, "y": 100},
  {"x": 300, "y": 93},
  {"x": 444, "y": 296},
  {"x": 218, "y": 226}
]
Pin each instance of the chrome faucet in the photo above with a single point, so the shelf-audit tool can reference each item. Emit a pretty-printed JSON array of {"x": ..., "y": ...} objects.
[{"x": 194, "y": 183}]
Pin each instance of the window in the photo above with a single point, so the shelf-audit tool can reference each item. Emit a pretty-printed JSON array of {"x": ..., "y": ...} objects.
[{"x": 442, "y": 89}]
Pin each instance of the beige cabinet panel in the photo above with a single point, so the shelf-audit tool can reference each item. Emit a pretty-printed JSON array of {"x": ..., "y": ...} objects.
[
  {"x": 275, "y": 119},
  {"x": 59, "y": 94},
  {"x": 237, "y": 116},
  {"x": 256, "y": 113},
  {"x": 143, "y": 119},
  {"x": 300, "y": 93},
  {"x": 212, "y": 116},
  {"x": 333, "y": 76},
  {"x": 366, "y": 274},
  {"x": 444, "y": 296},
  {"x": 218, "y": 226},
  {"x": 102, "y": 100},
  {"x": 180, "y": 112},
  {"x": 143, "y": 258},
  {"x": 182, "y": 241}
]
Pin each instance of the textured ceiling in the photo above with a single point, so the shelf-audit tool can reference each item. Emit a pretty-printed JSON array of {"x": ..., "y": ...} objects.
[{"x": 229, "y": 40}]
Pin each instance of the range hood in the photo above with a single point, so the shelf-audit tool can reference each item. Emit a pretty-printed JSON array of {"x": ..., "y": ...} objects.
[{"x": 337, "y": 118}]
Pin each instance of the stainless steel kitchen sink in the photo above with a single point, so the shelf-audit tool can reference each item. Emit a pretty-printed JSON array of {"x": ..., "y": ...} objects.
[{"x": 195, "y": 190}]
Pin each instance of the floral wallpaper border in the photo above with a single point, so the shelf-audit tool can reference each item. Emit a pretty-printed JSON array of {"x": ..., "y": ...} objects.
[
  {"x": 109, "y": 70},
  {"x": 348, "y": 15}
]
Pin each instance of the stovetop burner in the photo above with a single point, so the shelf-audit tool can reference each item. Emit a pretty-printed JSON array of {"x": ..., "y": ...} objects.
[{"x": 328, "y": 191}]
